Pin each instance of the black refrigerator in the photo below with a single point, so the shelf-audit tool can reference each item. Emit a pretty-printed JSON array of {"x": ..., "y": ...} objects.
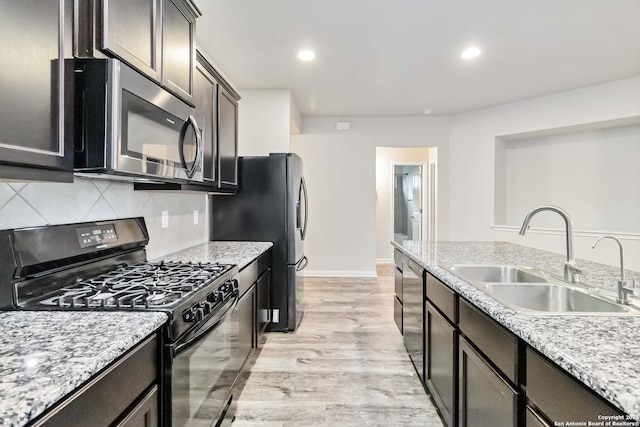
[{"x": 271, "y": 205}]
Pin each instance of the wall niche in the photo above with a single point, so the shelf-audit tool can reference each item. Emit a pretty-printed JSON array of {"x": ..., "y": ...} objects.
[{"x": 591, "y": 170}]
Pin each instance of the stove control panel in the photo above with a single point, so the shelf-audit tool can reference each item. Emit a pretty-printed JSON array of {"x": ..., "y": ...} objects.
[
  {"x": 200, "y": 310},
  {"x": 96, "y": 236}
]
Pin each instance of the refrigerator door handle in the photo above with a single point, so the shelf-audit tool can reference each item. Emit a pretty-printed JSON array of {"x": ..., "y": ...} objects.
[
  {"x": 303, "y": 186},
  {"x": 302, "y": 264}
]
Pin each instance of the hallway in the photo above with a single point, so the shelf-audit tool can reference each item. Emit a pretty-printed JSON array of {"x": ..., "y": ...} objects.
[{"x": 345, "y": 366}]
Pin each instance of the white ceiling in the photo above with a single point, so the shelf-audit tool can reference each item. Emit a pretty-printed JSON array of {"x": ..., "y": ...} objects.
[{"x": 399, "y": 57}]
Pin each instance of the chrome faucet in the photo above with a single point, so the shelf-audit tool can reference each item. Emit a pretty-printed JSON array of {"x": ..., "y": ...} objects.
[
  {"x": 625, "y": 287},
  {"x": 571, "y": 270}
]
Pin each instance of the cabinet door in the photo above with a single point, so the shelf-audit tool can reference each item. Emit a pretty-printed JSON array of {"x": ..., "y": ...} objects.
[
  {"x": 36, "y": 36},
  {"x": 145, "y": 414},
  {"x": 227, "y": 139},
  {"x": 412, "y": 314},
  {"x": 132, "y": 31},
  {"x": 533, "y": 419},
  {"x": 485, "y": 399},
  {"x": 263, "y": 313},
  {"x": 441, "y": 357},
  {"x": 245, "y": 310},
  {"x": 178, "y": 48},
  {"x": 204, "y": 97}
]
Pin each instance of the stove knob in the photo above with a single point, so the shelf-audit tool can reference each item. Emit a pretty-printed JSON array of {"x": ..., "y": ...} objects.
[
  {"x": 189, "y": 315},
  {"x": 211, "y": 297},
  {"x": 199, "y": 314},
  {"x": 206, "y": 307}
]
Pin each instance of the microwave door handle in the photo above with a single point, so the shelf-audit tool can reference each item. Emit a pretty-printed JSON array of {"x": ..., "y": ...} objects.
[{"x": 191, "y": 122}]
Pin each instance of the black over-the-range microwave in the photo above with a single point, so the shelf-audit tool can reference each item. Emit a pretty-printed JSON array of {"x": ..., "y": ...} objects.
[{"x": 128, "y": 126}]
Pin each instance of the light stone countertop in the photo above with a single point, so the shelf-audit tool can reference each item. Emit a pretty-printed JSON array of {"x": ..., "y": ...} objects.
[
  {"x": 239, "y": 253},
  {"x": 45, "y": 355},
  {"x": 603, "y": 352}
]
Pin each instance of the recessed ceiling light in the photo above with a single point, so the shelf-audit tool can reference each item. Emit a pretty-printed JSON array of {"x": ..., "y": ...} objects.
[
  {"x": 306, "y": 55},
  {"x": 470, "y": 53},
  {"x": 427, "y": 111}
]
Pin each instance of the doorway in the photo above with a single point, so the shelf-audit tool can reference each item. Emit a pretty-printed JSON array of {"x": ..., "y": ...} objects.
[
  {"x": 407, "y": 202},
  {"x": 416, "y": 197}
]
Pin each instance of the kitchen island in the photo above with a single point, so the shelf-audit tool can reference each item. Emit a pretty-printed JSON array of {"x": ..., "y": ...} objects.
[
  {"x": 46, "y": 355},
  {"x": 602, "y": 352}
]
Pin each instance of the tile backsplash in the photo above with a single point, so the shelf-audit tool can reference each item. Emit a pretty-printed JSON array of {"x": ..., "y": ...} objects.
[{"x": 35, "y": 204}]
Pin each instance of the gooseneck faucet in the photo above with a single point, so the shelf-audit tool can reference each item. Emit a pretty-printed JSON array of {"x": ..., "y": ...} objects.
[
  {"x": 571, "y": 270},
  {"x": 625, "y": 287}
]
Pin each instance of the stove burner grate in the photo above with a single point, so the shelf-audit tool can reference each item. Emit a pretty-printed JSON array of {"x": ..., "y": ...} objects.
[{"x": 140, "y": 286}]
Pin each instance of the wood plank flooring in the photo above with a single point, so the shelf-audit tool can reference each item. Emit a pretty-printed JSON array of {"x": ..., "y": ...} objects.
[{"x": 346, "y": 365}]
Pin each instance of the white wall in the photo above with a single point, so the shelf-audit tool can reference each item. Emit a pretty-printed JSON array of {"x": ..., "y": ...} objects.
[
  {"x": 386, "y": 157},
  {"x": 472, "y": 156},
  {"x": 266, "y": 118},
  {"x": 340, "y": 169}
]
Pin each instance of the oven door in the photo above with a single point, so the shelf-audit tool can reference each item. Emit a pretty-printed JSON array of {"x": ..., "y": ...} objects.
[{"x": 203, "y": 370}]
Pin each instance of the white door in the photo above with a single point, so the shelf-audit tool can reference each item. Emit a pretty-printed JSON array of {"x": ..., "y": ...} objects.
[{"x": 415, "y": 178}]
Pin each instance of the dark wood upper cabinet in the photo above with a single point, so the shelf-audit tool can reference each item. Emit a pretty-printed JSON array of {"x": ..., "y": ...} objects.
[
  {"x": 227, "y": 140},
  {"x": 132, "y": 31},
  {"x": 35, "y": 139},
  {"x": 205, "y": 98},
  {"x": 178, "y": 48},
  {"x": 156, "y": 37}
]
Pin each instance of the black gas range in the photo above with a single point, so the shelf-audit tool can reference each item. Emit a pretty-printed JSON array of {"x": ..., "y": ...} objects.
[{"x": 102, "y": 266}]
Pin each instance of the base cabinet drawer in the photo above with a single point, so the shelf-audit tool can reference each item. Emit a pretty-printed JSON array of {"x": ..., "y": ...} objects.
[
  {"x": 485, "y": 398},
  {"x": 560, "y": 397},
  {"x": 108, "y": 397},
  {"x": 497, "y": 343}
]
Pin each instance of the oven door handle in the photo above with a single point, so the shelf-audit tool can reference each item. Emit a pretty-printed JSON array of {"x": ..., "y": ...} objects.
[{"x": 196, "y": 334}]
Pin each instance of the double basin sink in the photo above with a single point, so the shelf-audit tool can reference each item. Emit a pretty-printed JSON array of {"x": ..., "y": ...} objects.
[{"x": 530, "y": 290}]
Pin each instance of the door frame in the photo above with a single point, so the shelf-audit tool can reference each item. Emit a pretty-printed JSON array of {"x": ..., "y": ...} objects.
[{"x": 425, "y": 231}]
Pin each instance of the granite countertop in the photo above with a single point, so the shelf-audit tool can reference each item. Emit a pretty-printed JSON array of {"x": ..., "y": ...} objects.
[
  {"x": 239, "y": 253},
  {"x": 601, "y": 351},
  {"x": 44, "y": 355}
]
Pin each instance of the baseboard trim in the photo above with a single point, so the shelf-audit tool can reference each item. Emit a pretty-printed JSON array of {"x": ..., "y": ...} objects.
[
  {"x": 320, "y": 273},
  {"x": 384, "y": 261}
]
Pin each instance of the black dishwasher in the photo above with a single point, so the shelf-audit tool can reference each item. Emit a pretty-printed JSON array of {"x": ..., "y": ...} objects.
[{"x": 413, "y": 293}]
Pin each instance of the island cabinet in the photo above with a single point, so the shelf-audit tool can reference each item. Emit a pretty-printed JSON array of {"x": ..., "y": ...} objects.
[
  {"x": 488, "y": 371},
  {"x": 36, "y": 141},
  {"x": 125, "y": 394},
  {"x": 156, "y": 37},
  {"x": 479, "y": 373},
  {"x": 554, "y": 397},
  {"x": 397, "y": 298},
  {"x": 441, "y": 347}
]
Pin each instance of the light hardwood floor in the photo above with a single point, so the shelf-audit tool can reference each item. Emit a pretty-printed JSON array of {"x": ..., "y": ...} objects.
[{"x": 346, "y": 365}]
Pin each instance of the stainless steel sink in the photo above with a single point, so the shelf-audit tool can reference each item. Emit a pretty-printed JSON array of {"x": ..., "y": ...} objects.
[
  {"x": 551, "y": 298},
  {"x": 499, "y": 273},
  {"x": 533, "y": 291}
]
